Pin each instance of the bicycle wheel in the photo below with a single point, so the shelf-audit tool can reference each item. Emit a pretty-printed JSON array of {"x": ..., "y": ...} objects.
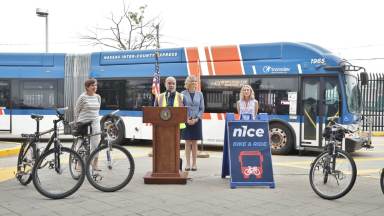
[
  {"x": 331, "y": 183},
  {"x": 51, "y": 174},
  {"x": 382, "y": 181},
  {"x": 25, "y": 162},
  {"x": 79, "y": 148},
  {"x": 115, "y": 168}
]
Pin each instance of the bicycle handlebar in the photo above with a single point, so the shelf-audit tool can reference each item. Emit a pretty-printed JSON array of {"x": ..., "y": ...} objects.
[
  {"x": 343, "y": 127},
  {"x": 333, "y": 123}
]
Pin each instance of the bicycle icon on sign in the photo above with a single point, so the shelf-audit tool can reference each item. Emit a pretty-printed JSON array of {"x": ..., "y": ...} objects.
[{"x": 256, "y": 170}]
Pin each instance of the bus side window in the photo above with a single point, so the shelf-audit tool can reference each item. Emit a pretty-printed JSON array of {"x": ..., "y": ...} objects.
[
  {"x": 4, "y": 93},
  {"x": 331, "y": 98},
  {"x": 272, "y": 93}
]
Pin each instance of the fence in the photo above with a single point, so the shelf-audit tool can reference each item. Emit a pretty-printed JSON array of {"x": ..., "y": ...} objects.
[{"x": 373, "y": 101}]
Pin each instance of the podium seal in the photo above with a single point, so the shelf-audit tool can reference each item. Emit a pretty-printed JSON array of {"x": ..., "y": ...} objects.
[{"x": 165, "y": 114}]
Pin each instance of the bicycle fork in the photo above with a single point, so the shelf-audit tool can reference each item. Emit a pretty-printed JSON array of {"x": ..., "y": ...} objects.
[
  {"x": 57, "y": 164},
  {"x": 109, "y": 158}
]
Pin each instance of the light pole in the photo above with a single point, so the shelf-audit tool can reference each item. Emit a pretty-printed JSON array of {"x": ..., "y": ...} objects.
[{"x": 44, "y": 13}]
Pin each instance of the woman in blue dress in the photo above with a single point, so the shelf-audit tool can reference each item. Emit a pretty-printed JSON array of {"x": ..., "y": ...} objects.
[{"x": 194, "y": 101}]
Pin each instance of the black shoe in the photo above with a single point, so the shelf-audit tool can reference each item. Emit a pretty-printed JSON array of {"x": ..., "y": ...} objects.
[
  {"x": 187, "y": 169},
  {"x": 194, "y": 169}
]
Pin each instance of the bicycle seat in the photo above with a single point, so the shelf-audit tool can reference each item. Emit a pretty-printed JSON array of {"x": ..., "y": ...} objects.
[
  {"x": 81, "y": 128},
  {"x": 85, "y": 124},
  {"x": 37, "y": 117}
]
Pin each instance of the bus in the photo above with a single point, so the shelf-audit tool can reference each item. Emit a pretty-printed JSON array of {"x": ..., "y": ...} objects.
[
  {"x": 29, "y": 83},
  {"x": 299, "y": 85}
]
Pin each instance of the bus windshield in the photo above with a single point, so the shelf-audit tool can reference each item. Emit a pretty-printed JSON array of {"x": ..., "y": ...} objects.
[{"x": 353, "y": 94}]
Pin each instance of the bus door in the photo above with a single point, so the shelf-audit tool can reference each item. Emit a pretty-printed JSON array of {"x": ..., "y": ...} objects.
[
  {"x": 5, "y": 118},
  {"x": 310, "y": 101},
  {"x": 320, "y": 99}
]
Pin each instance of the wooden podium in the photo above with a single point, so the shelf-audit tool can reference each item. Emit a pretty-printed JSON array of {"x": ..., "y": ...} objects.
[{"x": 165, "y": 144}]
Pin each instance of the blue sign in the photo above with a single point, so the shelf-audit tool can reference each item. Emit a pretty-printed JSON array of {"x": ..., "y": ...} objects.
[{"x": 250, "y": 159}]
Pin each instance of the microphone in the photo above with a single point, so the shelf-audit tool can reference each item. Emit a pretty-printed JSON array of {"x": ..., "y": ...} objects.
[{"x": 167, "y": 94}]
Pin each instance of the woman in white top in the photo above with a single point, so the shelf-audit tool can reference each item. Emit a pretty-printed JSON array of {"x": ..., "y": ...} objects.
[
  {"x": 247, "y": 103},
  {"x": 87, "y": 109}
]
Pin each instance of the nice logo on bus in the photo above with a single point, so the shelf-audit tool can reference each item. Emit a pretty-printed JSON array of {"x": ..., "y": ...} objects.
[{"x": 244, "y": 131}]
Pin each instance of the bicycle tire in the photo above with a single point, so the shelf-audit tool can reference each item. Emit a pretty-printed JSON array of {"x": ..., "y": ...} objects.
[
  {"x": 316, "y": 165},
  {"x": 382, "y": 180},
  {"x": 126, "y": 170},
  {"x": 23, "y": 176},
  {"x": 38, "y": 175},
  {"x": 83, "y": 154}
]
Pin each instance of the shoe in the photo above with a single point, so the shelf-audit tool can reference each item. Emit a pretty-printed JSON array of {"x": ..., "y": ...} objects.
[
  {"x": 187, "y": 169},
  {"x": 97, "y": 169},
  {"x": 194, "y": 169}
]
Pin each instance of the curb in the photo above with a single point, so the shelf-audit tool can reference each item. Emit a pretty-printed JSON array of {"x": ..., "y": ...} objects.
[
  {"x": 10, "y": 151},
  {"x": 377, "y": 133}
]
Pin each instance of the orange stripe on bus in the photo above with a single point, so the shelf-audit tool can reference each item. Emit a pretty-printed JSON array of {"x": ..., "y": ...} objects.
[
  {"x": 209, "y": 61},
  {"x": 226, "y": 60},
  {"x": 206, "y": 115},
  {"x": 194, "y": 64}
]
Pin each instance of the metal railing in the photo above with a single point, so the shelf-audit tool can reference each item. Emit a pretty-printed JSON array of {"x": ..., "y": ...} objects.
[{"x": 373, "y": 101}]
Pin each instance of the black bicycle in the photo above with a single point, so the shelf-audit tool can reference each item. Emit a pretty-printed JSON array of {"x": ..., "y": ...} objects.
[
  {"x": 333, "y": 172},
  {"x": 110, "y": 167},
  {"x": 50, "y": 172},
  {"x": 28, "y": 153}
]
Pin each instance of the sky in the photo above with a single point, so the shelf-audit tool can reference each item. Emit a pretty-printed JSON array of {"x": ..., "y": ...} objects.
[{"x": 351, "y": 29}]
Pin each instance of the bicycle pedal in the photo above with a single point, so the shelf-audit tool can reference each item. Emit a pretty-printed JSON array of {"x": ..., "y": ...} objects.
[{"x": 97, "y": 177}]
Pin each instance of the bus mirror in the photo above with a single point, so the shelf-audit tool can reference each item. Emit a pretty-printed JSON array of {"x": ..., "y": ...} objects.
[{"x": 364, "y": 78}]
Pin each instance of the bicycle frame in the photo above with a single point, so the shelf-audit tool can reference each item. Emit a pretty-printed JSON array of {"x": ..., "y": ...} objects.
[{"x": 53, "y": 139}]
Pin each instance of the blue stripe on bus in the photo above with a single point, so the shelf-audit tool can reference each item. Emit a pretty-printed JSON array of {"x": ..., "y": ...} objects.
[
  {"x": 32, "y": 59},
  {"x": 53, "y": 112},
  {"x": 139, "y": 70},
  {"x": 123, "y": 113},
  {"x": 286, "y": 58},
  {"x": 32, "y": 72},
  {"x": 174, "y": 55},
  {"x": 31, "y": 111},
  {"x": 348, "y": 119},
  {"x": 31, "y": 65}
]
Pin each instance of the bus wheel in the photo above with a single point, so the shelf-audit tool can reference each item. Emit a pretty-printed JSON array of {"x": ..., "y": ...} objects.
[
  {"x": 116, "y": 133},
  {"x": 281, "y": 139}
]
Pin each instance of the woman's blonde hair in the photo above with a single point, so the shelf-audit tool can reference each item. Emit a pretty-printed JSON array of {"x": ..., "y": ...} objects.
[
  {"x": 252, "y": 96},
  {"x": 189, "y": 80}
]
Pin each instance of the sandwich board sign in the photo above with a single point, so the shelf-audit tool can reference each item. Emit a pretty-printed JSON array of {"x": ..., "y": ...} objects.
[{"x": 250, "y": 161}]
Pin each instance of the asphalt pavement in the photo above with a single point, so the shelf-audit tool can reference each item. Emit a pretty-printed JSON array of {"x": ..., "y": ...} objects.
[{"x": 205, "y": 193}]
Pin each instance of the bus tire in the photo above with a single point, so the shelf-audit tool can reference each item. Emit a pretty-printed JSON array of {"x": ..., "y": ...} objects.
[
  {"x": 117, "y": 134},
  {"x": 281, "y": 139}
]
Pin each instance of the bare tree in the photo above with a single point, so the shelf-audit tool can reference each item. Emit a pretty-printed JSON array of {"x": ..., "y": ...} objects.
[{"x": 128, "y": 31}]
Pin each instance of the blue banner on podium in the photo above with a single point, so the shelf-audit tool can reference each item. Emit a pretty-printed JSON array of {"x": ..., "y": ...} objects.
[{"x": 248, "y": 150}]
